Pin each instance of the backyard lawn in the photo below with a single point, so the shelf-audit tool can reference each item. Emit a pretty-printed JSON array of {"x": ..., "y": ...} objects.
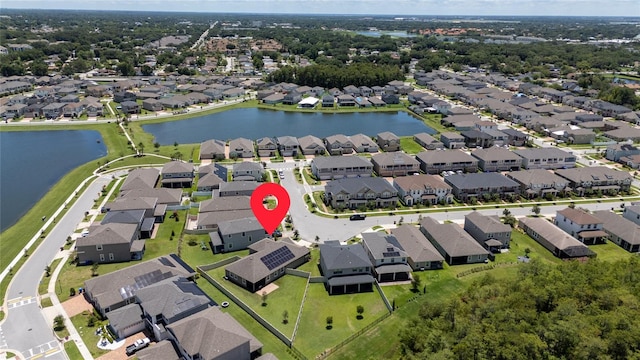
[
  {"x": 410, "y": 146},
  {"x": 313, "y": 337},
  {"x": 287, "y": 297},
  {"x": 312, "y": 266}
]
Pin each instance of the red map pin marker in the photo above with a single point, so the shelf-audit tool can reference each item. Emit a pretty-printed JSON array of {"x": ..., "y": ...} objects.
[{"x": 270, "y": 218}]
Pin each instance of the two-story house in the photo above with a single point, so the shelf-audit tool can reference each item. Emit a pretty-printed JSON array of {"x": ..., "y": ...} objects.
[
  {"x": 435, "y": 162},
  {"x": 247, "y": 170},
  {"x": 288, "y": 145},
  {"x": 388, "y": 258},
  {"x": 388, "y": 141},
  {"x": 497, "y": 159},
  {"x": 177, "y": 174},
  {"x": 558, "y": 242},
  {"x": 236, "y": 234},
  {"x": 338, "y": 144},
  {"x": 345, "y": 268},
  {"x": 539, "y": 183},
  {"x": 394, "y": 164},
  {"x": 110, "y": 243},
  {"x": 423, "y": 189},
  {"x": 592, "y": 180},
  {"x": 581, "y": 225},
  {"x": 452, "y": 140},
  {"x": 479, "y": 185},
  {"x": 266, "y": 147},
  {"x": 212, "y": 149},
  {"x": 620, "y": 230},
  {"x": 337, "y": 167},
  {"x": 240, "y": 148},
  {"x": 489, "y": 231},
  {"x": 617, "y": 151},
  {"x": 311, "y": 145},
  {"x": 363, "y": 144},
  {"x": 427, "y": 141},
  {"x": 546, "y": 158},
  {"x": 351, "y": 193}
]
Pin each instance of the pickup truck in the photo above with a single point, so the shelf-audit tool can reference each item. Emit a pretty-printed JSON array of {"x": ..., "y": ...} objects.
[{"x": 138, "y": 345}]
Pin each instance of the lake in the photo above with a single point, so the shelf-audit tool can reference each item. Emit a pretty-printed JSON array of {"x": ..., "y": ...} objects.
[
  {"x": 253, "y": 123},
  {"x": 400, "y": 34},
  {"x": 31, "y": 162}
]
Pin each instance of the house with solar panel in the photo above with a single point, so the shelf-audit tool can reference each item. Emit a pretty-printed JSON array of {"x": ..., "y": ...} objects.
[
  {"x": 266, "y": 263},
  {"x": 387, "y": 256}
]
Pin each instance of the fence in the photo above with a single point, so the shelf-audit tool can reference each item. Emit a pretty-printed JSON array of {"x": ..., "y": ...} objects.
[
  {"x": 484, "y": 268},
  {"x": 220, "y": 263},
  {"x": 316, "y": 279},
  {"x": 245, "y": 307},
  {"x": 384, "y": 298},
  {"x": 330, "y": 351},
  {"x": 296, "y": 272}
]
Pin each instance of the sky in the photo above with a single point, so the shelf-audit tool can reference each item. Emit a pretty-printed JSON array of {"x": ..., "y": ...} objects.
[{"x": 369, "y": 7}]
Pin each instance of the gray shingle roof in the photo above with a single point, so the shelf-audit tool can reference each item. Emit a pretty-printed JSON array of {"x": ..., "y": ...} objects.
[
  {"x": 163, "y": 350},
  {"x": 163, "y": 195},
  {"x": 452, "y": 238},
  {"x": 310, "y": 142},
  {"x": 421, "y": 182},
  {"x": 238, "y": 186},
  {"x": 619, "y": 226},
  {"x": 325, "y": 162},
  {"x": 495, "y": 153},
  {"x": 597, "y": 173},
  {"x": 556, "y": 237},
  {"x": 125, "y": 316},
  {"x": 172, "y": 297},
  {"x": 354, "y": 185},
  {"x": 479, "y": 180},
  {"x": 138, "y": 178},
  {"x": 124, "y": 217},
  {"x": 177, "y": 167},
  {"x": 212, "y": 333},
  {"x": 212, "y": 146},
  {"x": 239, "y": 225},
  {"x": 109, "y": 234},
  {"x": 546, "y": 153},
  {"x": 226, "y": 203},
  {"x": 383, "y": 246},
  {"x": 337, "y": 257},
  {"x": 416, "y": 244},
  {"x": 579, "y": 216},
  {"x": 536, "y": 176},
  {"x": 487, "y": 224},
  {"x": 394, "y": 158},
  {"x": 253, "y": 269},
  {"x": 445, "y": 156}
]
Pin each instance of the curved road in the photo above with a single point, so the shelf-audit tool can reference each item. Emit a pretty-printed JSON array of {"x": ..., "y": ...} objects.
[{"x": 25, "y": 329}]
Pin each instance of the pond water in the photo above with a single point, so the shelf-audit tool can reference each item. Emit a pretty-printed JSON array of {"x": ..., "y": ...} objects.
[
  {"x": 31, "y": 162},
  {"x": 401, "y": 34},
  {"x": 253, "y": 123}
]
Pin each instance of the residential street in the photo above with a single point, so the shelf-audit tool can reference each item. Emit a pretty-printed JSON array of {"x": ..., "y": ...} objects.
[{"x": 25, "y": 329}]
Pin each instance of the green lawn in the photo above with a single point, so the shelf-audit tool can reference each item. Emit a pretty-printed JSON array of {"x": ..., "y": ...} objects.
[
  {"x": 313, "y": 337},
  {"x": 287, "y": 297},
  {"x": 410, "y": 146},
  {"x": 44, "y": 282},
  {"x": 610, "y": 252},
  {"x": 270, "y": 343},
  {"x": 308, "y": 177},
  {"x": 88, "y": 334},
  {"x": 312, "y": 266},
  {"x": 72, "y": 351},
  {"x": 520, "y": 241}
]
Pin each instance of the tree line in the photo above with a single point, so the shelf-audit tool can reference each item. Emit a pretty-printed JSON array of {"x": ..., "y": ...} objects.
[
  {"x": 570, "y": 311},
  {"x": 330, "y": 76}
]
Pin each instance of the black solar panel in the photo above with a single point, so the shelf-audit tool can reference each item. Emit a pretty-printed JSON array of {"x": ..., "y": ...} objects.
[
  {"x": 391, "y": 254},
  {"x": 277, "y": 257}
]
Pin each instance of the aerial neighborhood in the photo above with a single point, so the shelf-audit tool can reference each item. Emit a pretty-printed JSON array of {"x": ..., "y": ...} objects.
[{"x": 518, "y": 168}]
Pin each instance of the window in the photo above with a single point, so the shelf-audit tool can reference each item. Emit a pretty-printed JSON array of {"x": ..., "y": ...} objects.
[
  {"x": 99, "y": 247},
  {"x": 101, "y": 257},
  {"x": 111, "y": 257}
]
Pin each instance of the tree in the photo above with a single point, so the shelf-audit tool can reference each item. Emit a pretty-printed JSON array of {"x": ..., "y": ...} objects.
[
  {"x": 329, "y": 322},
  {"x": 527, "y": 251},
  {"x": 360, "y": 311},
  {"x": 536, "y": 209},
  {"x": 146, "y": 70},
  {"x": 415, "y": 283},
  {"x": 47, "y": 270},
  {"x": 156, "y": 145},
  {"x": 285, "y": 317},
  {"x": 39, "y": 68},
  {"x": 141, "y": 147},
  {"x": 506, "y": 212},
  {"x": 72, "y": 291},
  {"x": 94, "y": 269},
  {"x": 58, "y": 323},
  {"x": 126, "y": 68},
  {"x": 263, "y": 298}
]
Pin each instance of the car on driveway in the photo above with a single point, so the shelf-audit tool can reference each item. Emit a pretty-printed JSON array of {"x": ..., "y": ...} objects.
[{"x": 138, "y": 345}]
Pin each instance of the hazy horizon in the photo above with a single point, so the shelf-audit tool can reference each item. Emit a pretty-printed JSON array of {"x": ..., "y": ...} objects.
[{"x": 406, "y": 8}]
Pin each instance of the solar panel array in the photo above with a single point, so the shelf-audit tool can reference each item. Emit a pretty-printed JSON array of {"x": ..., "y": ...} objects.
[
  {"x": 276, "y": 258},
  {"x": 391, "y": 254},
  {"x": 142, "y": 281}
]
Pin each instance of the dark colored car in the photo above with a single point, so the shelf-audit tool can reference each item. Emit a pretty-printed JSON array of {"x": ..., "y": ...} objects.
[{"x": 357, "y": 217}]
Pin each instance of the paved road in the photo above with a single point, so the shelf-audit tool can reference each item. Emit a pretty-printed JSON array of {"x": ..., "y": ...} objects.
[{"x": 25, "y": 329}]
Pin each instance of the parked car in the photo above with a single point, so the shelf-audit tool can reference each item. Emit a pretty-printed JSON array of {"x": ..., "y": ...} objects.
[
  {"x": 138, "y": 345},
  {"x": 357, "y": 217}
]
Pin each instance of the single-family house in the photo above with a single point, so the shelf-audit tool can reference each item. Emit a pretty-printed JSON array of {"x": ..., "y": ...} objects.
[
  {"x": 616, "y": 151},
  {"x": 452, "y": 140},
  {"x": 237, "y": 188},
  {"x": 338, "y": 144},
  {"x": 346, "y": 100},
  {"x": 177, "y": 174},
  {"x": 488, "y": 231},
  {"x": 363, "y": 144},
  {"x": 481, "y": 186},
  {"x": 328, "y": 101},
  {"x": 345, "y": 268},
  {"x": 110, "y": 243},
  {"x": 581, "y": 225},
  {"x": 632, "y": 213},
  {"x": 236, "y": 234},
  {"x": 388, "y": 141},
  {"x": 328, "y": 168},
  {"x": 240, "y": 148},
  {"x": 288, "y": 145},
  {"x": 351, "y": 193},
  {"x": 435, "y": 162},
  {"x": 475, "y": 138},
  {"x": 266, "y": 147},
  {"x": 452, "y": 242},
  {"x": 116, "y": 289},
  {"x": 394, "y": 164},
  {"x": 311, "y": 145},
  {"x": 516, "y": 138},
  {"x": 145, "y": 225},
  {"x": 388, "y": 258},
  {"x": 580, "y": 136},
  {"x": 225, "y": 337},
  {"x": 622, "y": 231},
  {"x": 427, "y": 141},
  {"x": 497, "y": 159},
  {"x": 266, "y": 263},
  {"x": 553, "y": 238},
  {"x": 212, "y": 149},
  {"x": 248, "y": 170},
  {"x": 421, "y": 254},
  {"x": 130, "y": 107}
]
